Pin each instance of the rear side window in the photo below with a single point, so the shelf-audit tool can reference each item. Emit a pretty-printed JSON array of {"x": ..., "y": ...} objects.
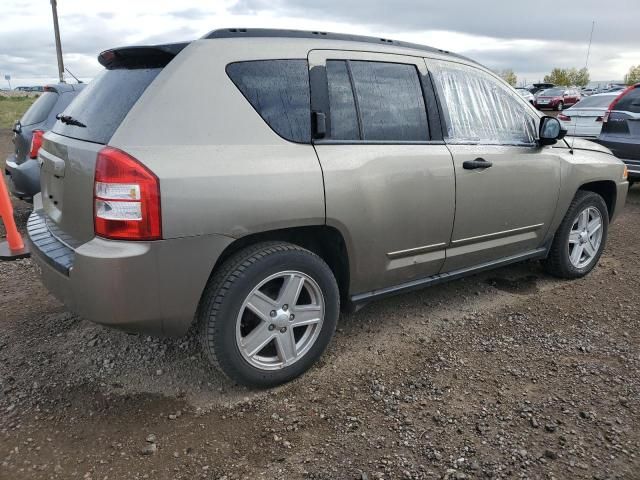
[
  {"x": 480, "y": 109},
  {"x": 39, "y": 111},
  {"x": 376, "y": 101},
  {"x": 630, "y": 102},
  {"x": 103, "y": 104},
  {"x": 279, "y": 91}
]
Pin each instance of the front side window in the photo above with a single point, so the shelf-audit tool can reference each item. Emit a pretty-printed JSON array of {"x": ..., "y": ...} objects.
[
  {"x": 479, "y": 109},
  {"x": 376, "y": 101},
  {"x": 279, "y": 92}
]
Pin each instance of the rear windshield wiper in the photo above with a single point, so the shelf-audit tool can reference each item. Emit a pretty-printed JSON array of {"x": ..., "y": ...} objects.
[{"x": 69, "y": 120}]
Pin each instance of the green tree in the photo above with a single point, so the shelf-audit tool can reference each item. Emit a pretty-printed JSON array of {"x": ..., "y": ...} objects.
[
  {"x": 509, "y": 76},
  {"x": 633, "y": 76},
  {"x": 579, "y": 78},
  {"x": 568, "y": 77},
  {"x": 558, "y": 76}
]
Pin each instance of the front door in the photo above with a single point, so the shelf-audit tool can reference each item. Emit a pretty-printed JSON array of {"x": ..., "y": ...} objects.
[
  {"x": 389, "y": 178},
  {"x": 506, "y": 185}
]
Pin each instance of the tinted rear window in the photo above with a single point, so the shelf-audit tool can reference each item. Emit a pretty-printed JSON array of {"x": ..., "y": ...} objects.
[
  {"x": 104, "y": 103},
  {"x": 279, "y": 91},
  {"x": 39, "y": 111},
  {"x": 630, "y": 102}
]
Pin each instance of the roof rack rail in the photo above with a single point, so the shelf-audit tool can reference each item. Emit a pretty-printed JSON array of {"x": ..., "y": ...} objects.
[{"x": 277, "y": 33}]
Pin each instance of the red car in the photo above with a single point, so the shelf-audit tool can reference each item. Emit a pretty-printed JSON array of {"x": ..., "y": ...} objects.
[{"x": 557, "y": 98}]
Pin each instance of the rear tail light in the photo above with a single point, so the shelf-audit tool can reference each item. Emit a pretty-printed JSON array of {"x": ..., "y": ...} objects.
[
  {"x": 564, "y": 118},
  {"x": 126, "y": 198},
  {"x": 36, "y": 143}
]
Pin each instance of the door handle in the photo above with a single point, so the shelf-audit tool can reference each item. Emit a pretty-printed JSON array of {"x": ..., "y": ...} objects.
[{"x": 477, "y": 163}]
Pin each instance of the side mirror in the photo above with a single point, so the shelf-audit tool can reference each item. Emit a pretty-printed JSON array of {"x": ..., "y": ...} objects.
[{"x": 550, "y": 131}]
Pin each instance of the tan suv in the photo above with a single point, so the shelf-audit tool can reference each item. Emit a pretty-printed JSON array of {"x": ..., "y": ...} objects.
[{"x": 257, "y": 180}]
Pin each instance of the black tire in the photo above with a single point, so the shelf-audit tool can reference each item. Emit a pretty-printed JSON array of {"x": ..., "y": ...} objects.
[
  {"x": 560, "y": 107},
  {"x": 229, "y": 287},
  {"x": 558, "y": 263}
]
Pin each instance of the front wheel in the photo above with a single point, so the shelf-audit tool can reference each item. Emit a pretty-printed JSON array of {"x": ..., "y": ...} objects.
[
  {"x": 269, "y": 313},
  {"x": 581, "y": 237},
  {"x": 560, "y": 106}
]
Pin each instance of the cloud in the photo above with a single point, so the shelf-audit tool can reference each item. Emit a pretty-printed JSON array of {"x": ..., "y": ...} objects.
[
  {"x": 531, "y": 39},
  {"x": 544, "y": 19}
]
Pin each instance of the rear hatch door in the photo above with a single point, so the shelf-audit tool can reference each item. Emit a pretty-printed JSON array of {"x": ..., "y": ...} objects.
[{"x": 69, "y": 153}]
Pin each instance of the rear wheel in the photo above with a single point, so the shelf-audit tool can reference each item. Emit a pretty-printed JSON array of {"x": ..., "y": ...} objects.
[
  {"x": 581, "y": 237},
  {"x": 269, "y": 313},
  {"x": 560, "y": 106}
]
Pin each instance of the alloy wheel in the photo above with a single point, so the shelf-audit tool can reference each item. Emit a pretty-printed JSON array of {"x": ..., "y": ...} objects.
[
  {"x": 585, "y": 237},
  {"x": 280, "y": 320}
]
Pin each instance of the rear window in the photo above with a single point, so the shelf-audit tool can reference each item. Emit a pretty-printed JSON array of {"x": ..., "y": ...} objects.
[
  {"x": 279, "y": 91},
  {"x": 595, "y": 102},
  {"x": 630, "y": 102},
  {"x": 104, "y": 103},
  {"x": 39, "y": 111}
]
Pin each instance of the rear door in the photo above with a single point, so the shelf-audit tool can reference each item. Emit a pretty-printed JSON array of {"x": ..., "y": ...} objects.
[
  {"x": 506, "y": 185},
  {"x": 389, "y": 179}
]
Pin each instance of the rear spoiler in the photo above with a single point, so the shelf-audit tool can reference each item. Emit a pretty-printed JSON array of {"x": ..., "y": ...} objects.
[{"x": 144, "y": 56}]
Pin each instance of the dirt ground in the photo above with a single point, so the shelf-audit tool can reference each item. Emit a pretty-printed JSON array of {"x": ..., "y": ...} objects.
[{"x": 508, "y": 374}]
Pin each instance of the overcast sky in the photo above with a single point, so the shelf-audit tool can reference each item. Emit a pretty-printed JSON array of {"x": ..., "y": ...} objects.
[{"x": 529, "y": 37}]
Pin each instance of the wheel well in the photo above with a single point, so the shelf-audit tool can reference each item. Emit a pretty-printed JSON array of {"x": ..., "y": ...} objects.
[
  {"x": 326, "y": 242},
  {"x": 607, "y": 190}
]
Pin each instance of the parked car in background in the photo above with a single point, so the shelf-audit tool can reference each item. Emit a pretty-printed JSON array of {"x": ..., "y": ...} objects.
[
  {"x": 527, "y": 95},
  {"x": 22, "y": 169},
  {"x": 557, "y": 98},
  {"x": 30, "y": 89},
  {"x": 587, "y": 92},
  {"x": 536, "y": 87},
  {"x": 621, "y": 130},
  {"x": 255, "y": 218},
  {"x": 584, "y": 119}
]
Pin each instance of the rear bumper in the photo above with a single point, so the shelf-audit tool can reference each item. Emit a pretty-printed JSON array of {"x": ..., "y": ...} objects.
[
  {"x": 23, "y": 178},
  {"x": 626, "y": 148},
  {"x": 148, "y": 287}
]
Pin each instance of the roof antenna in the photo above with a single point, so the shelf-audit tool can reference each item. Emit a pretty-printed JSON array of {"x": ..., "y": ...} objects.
[
  {"x": 586, "y": 67},
  {"x": 69, "y": 72}
]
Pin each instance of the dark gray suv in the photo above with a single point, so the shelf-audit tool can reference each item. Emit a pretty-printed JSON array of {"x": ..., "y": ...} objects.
[{"x": 22, "y": 168}]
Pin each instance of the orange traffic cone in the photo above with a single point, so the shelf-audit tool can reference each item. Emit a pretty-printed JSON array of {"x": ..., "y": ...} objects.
[{"x": 14, "y": 247}]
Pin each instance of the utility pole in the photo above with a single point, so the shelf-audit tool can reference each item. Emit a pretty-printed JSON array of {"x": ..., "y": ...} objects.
[{"x": 56, "y": 31}]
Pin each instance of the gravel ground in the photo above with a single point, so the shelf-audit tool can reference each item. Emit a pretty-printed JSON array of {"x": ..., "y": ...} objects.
[{"x": 509, "y": 374}]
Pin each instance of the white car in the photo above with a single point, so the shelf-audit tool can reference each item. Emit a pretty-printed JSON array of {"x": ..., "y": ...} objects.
[
  {"x": 584, "y": 119},
  {"x": 526, "y": 94}
]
